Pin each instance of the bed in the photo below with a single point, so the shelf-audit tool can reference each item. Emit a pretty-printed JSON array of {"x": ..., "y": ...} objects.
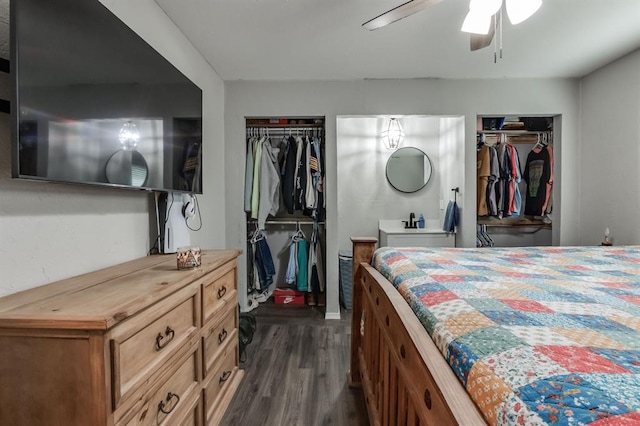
[{"x": 534, "y": 335}]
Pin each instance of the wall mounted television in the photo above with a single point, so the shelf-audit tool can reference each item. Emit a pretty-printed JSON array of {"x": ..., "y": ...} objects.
[{"x": 93, "y": 103}]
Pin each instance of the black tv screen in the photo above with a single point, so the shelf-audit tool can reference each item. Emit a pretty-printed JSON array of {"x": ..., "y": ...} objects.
[{"x": 94, "y": 103}]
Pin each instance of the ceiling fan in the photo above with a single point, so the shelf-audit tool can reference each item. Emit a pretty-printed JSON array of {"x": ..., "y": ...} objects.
[{"x": 481, "y": 22}]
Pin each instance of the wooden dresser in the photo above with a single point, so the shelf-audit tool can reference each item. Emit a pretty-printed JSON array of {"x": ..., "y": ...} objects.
[{"x": 140, "y": 343}]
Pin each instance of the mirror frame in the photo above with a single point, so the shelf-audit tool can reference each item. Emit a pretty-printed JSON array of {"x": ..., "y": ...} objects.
[
  {"x": 133, "y": 152},
  {"x": 424, "y": 184}
]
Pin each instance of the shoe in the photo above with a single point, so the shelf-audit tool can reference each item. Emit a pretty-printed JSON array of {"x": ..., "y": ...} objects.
[
  {"x": 311, "y": 299},
  {"x": 321, "y": 299},
  {"x": 262, "y": 297},
  {"x": 251, "y": 302}
]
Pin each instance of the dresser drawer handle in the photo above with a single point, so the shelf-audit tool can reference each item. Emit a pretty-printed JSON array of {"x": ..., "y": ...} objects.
[
  {"x": 169, "y": 333},
  {"x": 225, "y": 376},
  {"x": 222, "y": 336},
  {"x": 221, "y": 292},
  {"x": 169, "y": 398}
]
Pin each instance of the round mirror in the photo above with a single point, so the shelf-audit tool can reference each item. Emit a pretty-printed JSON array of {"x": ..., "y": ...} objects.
[
  {"x": 408, "y": 169},
  {"x": 126, "y": 167}
]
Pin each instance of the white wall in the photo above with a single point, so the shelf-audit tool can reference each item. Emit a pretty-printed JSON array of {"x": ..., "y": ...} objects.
[
  {"x": 467, "y": 98},
  {"x": 53, "y": 231},
  {"x": 364, "y": 194},
  {"x": 610, "y": 147}
]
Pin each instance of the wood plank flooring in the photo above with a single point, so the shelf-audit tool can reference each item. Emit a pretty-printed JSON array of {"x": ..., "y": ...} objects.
[{"x": 296, "y": 371}]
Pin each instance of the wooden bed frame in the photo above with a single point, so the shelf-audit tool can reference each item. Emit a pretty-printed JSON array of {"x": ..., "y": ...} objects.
[{"x": 405, "y": 378}]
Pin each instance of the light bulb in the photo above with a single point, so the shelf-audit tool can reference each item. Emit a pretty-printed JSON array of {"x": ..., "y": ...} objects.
[
  {"x": 486, "y": 7},
  {"x": 521, "y": 10},
  {"x": 476, "y": 23},
  {"x": 129, "y": 135}
]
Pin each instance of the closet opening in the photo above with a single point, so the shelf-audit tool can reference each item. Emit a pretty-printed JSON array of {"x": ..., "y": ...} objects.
[
  {"x": 285, "y": 210},
  {"x": 516, "y": 180}
]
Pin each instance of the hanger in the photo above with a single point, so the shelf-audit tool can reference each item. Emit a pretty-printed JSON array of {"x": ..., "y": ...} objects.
[
  {"x": 542, "y": 141},
  {"x": 257, "y": 236},
  {"x": 298, "y": 235},
  {"x": 481, "y": 141}
]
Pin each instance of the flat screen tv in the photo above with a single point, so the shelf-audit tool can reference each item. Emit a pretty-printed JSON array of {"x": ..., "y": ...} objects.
[{"x": 93, "y": 103}]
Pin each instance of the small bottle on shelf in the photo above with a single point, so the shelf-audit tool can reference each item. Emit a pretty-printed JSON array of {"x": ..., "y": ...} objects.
[
  {"x": 421, "y": 221},
  {"x": 607, "y": 241}
]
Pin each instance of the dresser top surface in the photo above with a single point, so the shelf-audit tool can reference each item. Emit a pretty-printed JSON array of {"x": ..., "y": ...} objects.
[{"x": 99, "y": 300}]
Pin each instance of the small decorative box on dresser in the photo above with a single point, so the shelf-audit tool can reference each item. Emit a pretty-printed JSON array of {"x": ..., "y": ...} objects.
[{"x": 141, "y": 343}]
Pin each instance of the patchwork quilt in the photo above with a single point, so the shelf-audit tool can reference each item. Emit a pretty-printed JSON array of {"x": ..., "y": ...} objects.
[{"x": 537, "y": 335}]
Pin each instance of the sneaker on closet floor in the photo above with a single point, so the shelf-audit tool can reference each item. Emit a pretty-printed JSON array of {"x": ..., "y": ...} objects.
[
  {"x": 311, "y": 299},
  {"x": 252, "y": 303},
  {"x": 262, "y": 297}
]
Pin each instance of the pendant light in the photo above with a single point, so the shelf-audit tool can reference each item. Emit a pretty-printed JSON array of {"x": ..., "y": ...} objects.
[
  {"x": 129, "y": 136},
  {"x": 393, "y": 134}
]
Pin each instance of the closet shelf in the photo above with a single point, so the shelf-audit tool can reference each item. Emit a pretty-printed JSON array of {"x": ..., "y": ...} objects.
[
  {"x": 514, "y": 223},
  {"x": 292, "y": 122}
]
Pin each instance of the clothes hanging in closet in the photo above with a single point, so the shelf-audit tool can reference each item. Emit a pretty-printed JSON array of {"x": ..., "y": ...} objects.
[
  {"x": 305, "y": 268},
  {"x": 269, "y": 200},
  {"x": 262, "y": 179},
  {"x": 498, "y": 177},
  {"x": 513, "y": 202},
  {"x": 483, "y": 173},
  {"x": 261, "y": 263},
  {"x": 316, "y": 275},
  {"x": 288, "y": 174},
  {"x": 302, "y": 277},
  {"x": 292, "y": 170},
  {"x": 538, "y": 174},
  {"x": 492, "y": 202}
]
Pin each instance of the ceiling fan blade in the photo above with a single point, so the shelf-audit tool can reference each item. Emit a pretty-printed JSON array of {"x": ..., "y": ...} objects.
[
  {"x": 480, "y": 41},
  {"x": 398, "y": 13}
]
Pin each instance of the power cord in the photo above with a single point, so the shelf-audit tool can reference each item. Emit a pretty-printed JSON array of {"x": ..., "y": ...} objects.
[{"x": 186, "y": 221}]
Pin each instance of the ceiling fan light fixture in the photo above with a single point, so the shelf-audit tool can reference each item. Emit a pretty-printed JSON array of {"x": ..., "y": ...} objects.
[
  {"x": 486, "y": 7},
  {"x": 521, "y": 10},
  {"x": 476, "y": 23}
]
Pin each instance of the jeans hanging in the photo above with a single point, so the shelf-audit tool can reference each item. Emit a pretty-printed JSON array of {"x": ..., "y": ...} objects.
[{"x": 264, "y": 263}]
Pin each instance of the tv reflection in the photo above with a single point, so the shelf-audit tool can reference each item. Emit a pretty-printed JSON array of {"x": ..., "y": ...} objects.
[{"x": 128, "y": 151}]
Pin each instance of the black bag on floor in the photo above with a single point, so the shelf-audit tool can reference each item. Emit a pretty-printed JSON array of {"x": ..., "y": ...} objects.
[{"x": 246, "y": 328}]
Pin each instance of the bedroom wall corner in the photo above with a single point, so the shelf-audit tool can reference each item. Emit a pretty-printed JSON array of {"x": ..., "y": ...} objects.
[{"x": 610, "y": 149}]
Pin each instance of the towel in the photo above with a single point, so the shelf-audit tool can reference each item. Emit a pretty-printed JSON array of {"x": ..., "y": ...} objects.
[{"x": 451, "y": 217}]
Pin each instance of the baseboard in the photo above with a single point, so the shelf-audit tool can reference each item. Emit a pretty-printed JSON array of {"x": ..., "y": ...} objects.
[{"x": 332, "y": 316}]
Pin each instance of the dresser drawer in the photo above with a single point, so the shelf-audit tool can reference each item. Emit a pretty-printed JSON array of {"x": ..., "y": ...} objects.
[
  {"x": 218, "y": 336},
  {"x": 193, "y": 416},
  {"x": 173, "y": 400},
  {"x": 218, "y": 289},
  {"x": 221, "y": 376},
  {"x": 141, "y": 344}
]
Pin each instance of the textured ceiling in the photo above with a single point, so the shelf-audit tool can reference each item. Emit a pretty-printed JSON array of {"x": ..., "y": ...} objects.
[{"x": 323, "y": 39}]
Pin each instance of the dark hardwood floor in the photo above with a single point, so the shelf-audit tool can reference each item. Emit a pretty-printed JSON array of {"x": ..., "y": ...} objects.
[{"x": 296, "y": 371}]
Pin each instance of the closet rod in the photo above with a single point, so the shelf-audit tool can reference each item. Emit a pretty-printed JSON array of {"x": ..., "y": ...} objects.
[
  {"x": 289, "y": 222},
  {"x": 285, "y": 129},
  {"x": 293, "y": 126}
]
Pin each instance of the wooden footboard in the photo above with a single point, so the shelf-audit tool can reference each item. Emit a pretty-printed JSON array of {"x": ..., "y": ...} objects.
[{"x": 405, "y": 379}]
